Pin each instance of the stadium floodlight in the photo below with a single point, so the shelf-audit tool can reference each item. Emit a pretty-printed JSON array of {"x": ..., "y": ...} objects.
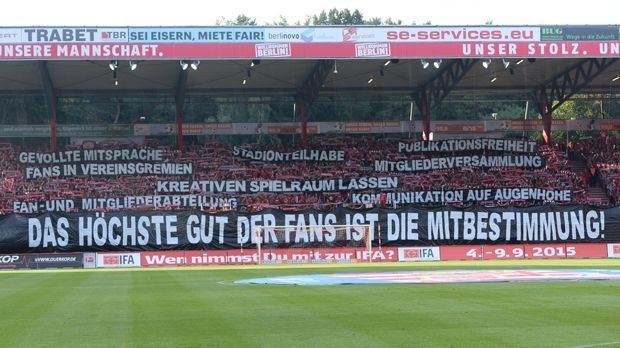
[
  {"x": 194, "y": 64},
  {"x": 506, "y": 63},
  {"x": 254, "y": 62},
  {"x": 493, "y": 79},
  {"x": 248, "y": 74},
  {"x": 616, "y": 78},
  {"x": 370, "y": 80},
  {"x": 437, "y": 63},
  {"x": 133, "y": 65},
  {"x": 424, "y": 63},
  {"x": 486, "y": 63},
  {"x": 519, "y": 62},
  {"x": 335, "y": 67},
  {"x": 387, "y": 62},
  {"x": 113, "y": 65},
  {"x": 183, "y": 64}
]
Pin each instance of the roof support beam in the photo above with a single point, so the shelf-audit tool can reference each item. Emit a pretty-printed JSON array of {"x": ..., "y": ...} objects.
[
  {"x": 309, "y": 91},
  {"x": 51, "y": 100},
  {"x": 557, "y": 90},
  {"x": 179, "y": 100},
  {"x": 560, "y": 88},
  {"x": 431, "y": 93},
  {"x": 446, "y": 80}
]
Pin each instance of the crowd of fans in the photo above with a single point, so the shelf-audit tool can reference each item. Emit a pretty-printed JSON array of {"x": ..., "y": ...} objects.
[
  {"x": 214, "y": 160},
  {"x": 602, "y": 156}
]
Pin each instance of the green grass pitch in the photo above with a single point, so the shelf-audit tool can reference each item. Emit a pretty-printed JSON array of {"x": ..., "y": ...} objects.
[{"x": 201, "y": 307}]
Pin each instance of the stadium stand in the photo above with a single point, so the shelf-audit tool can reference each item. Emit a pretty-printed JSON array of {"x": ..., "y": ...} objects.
[
  {"x": 603, "y": 164},
  {"x": 214, "y": 160}
]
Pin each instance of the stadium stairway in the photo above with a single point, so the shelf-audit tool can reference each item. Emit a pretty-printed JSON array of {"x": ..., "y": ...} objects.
[{"x": 596, "y": 194}]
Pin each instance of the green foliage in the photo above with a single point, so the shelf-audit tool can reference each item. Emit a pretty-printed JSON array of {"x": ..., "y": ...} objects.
[
  {"x": 281, "y": 21},
  {"x": 23, "y": 110},
  {"x": 476, "y": 108},
  {"x": 360, "y": 108},
  {"x": 579, "y": 109},
  {"x": 390, "y": 21},
  {"x": 336, "y": 107},
  {"x": 99, "y": 110},
  {"x": 241, "y": 19},
  {"x": 347, "y": 17},
  {"x": 383, "y": 21}
]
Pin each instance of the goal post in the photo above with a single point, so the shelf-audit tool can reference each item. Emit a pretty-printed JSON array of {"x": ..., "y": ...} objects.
[{"x": 314, "y": 243}]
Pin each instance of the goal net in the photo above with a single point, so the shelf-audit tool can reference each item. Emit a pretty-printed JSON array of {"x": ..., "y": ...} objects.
[{"x": 314, "y": 244}]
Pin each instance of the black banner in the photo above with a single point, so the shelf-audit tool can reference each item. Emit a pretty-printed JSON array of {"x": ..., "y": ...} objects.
[
  {"x": 134, "y": 231},
  {"x": 311, "y": 155},
  {"x": 531, "y": 194},
  {"x": 255, "y": 186},
  {"x": 127, "y": 202},
  {"x": 478, "y": 144},
  {"x": 100, "y": 163},
  {"x": 74, "y": 260},
  {"x": 109, "y": 169},
  {"x": 439, "y": 163},
  {"x": 12, "y": 261},
  {"x": 91, "y": 156}
]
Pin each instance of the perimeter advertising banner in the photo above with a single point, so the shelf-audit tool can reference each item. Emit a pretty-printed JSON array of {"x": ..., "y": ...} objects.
[
  {"x": 65, "y": 260},
  {"x": 13, "y": 262},
  {"x": 227, "y": 128},
  {"x": 307, "y": 42},
  {"x": 39, "y": 261},
  {"x": 273, "y": 256},
  {"x": 613, "y": 250},
  {"x": 410, "y": 226},
  {"x": 118, "y": 260}
]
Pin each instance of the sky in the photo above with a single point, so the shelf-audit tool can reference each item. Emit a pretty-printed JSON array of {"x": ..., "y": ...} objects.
[{"x": 205, "y": 12}]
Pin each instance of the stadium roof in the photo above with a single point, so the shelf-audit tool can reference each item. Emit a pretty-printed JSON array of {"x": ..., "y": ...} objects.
[
  {"x": 549, "y": 64},
  {"x": 307, "y": 60},
  {"x": 286, "y": 77}
]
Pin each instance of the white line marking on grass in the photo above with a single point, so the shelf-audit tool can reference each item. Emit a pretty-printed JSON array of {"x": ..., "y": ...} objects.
[
  {"x": 227, "y": 282},
  {"x": 599, "y": 344},
  {"x": 424, "y": 265}
]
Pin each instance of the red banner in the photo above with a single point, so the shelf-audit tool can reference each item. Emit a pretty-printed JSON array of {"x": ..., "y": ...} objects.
[
  {"x": 502, "y": 252},
  {"x": 524, "y": 251},
  {"x": 580, "y": 49},
  {"x": 273, "y": 256},
  {"x": 461, "y": 252},
  {"x": 585, "y": 251}
]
